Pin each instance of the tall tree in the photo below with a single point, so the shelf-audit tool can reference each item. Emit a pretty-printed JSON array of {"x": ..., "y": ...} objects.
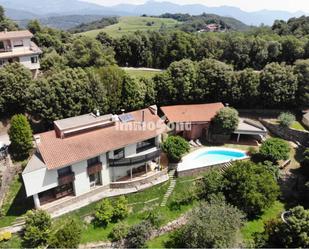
[
  {"x": 15, "y": 81},
  {"x": 85, "y": 52},
  {"x": 278, "y": 85},
  {"x": 65, "y": 93},
  {"x": 302, "y": 72},
  {"x": 250, "y": 187},
  {"x": 20, "y": 136}
]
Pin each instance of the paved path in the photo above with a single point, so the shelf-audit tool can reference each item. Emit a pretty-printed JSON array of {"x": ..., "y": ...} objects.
[{"x": 170, "y": 189}]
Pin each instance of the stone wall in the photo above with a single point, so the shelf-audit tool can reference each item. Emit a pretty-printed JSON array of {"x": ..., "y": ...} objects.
[{"x": 287, "y": 133}]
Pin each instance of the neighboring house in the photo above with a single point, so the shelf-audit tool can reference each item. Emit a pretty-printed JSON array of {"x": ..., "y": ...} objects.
[
  {"x": 191, "y": 121},
  {"x": 90, "y": 151},
  {"x": 16, "y": 46}
]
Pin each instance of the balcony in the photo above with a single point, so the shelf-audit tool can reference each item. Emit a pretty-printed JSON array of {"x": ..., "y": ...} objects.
[
  {"x": 95, "y": 168},
  {"x": 145, "y": 157},
  {"x": 66, "y": 179}
]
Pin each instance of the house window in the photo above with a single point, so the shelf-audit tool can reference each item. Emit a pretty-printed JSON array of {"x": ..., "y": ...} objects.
[
  {"x": 93, "y": 161},
  {"x": 34, "y": 59},
  {"x": 118, "y": 154},
  {"x": 144, "y": 145},
  {"x": 64, "y": 171},
  {"x": 17, "y": 44}
]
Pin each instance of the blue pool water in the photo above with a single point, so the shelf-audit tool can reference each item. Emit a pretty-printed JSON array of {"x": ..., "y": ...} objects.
[{"x": 218, "y": 156}]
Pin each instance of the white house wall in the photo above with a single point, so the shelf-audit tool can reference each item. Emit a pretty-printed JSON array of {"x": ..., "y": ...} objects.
[
  {"x": 40, "y": 180},
  {"x": 81, "y": 183},
  {"x": 26, "y": 61},
  {"x": 106, "y": 172}
]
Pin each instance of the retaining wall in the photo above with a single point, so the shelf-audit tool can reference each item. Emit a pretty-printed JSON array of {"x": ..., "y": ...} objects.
[
  {"x": 287, "y": 133},
  {"x": 138, "y": 182}
]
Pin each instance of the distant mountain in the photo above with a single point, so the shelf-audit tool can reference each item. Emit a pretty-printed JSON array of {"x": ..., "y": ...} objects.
[
  {"x": 16, "y": 14},
  {"x": 249, "y": 18},
  {"x": 24, "y": 9},
  {"x": 58, "y": 7}
]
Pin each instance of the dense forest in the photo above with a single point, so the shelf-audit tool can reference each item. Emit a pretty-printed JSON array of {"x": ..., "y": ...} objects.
[{"x": 80, "y": 74}]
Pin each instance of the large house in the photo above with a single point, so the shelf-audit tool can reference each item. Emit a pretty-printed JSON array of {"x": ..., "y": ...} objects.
[
  {"x": 92, "y": 151},
  {"x": 16, "y": 46}
]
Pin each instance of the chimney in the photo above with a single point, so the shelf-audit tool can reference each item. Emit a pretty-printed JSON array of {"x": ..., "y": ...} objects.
[
  {"x": 97, "y": 113},
  {"x": 143, "y": 117},
  {"x": 37, "y": 140}
]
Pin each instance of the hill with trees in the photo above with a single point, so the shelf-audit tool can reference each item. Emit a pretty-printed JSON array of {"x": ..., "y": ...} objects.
[
  {"x": 97, "y": 24},
  {"x": 193, "y": 23}
]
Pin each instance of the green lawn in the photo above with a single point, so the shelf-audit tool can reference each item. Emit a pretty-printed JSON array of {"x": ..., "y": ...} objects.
[
  {"x": 257, "y": 225},
  {"x": 140, "y": 203},
  {"x": 15, "y": 204},
  {"x": 298, "y": 126},
  {"x": 139, "y": 73},
  {"x": 130, "y": 24}
]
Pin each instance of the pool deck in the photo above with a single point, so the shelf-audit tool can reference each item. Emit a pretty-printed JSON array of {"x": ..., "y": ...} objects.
[{"x": 188, "y": 163}]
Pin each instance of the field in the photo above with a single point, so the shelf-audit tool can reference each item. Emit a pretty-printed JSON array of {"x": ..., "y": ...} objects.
[
  {"x": 141, "y": 73},
  {"x": 130, "y": 24}
]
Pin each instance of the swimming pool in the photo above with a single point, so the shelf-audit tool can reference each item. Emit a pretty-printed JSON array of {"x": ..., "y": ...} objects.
[{"x": 210, "y": 156}]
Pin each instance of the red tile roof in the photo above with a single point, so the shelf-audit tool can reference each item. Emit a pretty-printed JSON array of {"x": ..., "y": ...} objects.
[
  {"x": 57, "y": 152},
  {"x": 191, "y": 113}
]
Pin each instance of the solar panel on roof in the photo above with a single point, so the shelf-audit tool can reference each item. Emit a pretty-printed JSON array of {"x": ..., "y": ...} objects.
[{"x": 126, "y": 117}]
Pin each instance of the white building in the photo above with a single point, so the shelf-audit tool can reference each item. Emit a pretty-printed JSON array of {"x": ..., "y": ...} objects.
[
  {"x": 16, "y": 46},
  {"x": 88, "y": 151}
]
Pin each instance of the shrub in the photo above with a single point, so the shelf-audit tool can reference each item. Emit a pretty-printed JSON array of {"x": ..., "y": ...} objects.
[
  {"x": 175, "y": 147},
  {"x": 21, "y": 137},
  {"x": 211, "y": 225},
  {"x": 225, "y": 122},
  {"x": 120, "y": 209},
  {"x": 138, "y": 235},
  {"x": 210, "y": 184},
  {"x": 155, "y": 218},
  {"x": 103, "y": 213},
  {"x": 67, "y": 234},
  {"x": 119, "y": 232},
  {"x": 250, "y": 187},
  {"x": 272, "y": 168},
  {"x": 5, "y": 236},
  {"x": 37, "y": 228},
  {"x": 185, "y": 198},
  {"x": 286, "y": 119},
  {"x": 275, "y": 149}
]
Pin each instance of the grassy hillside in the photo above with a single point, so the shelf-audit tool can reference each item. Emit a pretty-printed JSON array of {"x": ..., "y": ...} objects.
[
  {"x": 130, "y": 24},
  {"x": 140, "y": 73}
]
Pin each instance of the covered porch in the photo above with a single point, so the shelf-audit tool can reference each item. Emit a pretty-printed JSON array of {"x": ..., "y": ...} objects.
[{"x": 251, "y": 131}]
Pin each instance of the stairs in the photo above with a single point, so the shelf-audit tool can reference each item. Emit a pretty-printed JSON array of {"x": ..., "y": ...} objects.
[
  {"x": 170, "y": 189},
  {"x": 224, "y": 167}
]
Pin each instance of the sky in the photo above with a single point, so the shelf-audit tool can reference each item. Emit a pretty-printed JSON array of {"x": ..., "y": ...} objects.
[{"x": 247, "y": 5}]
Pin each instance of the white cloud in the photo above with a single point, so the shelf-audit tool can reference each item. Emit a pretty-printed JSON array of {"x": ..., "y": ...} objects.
[{"x": 249, "y": 5}]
